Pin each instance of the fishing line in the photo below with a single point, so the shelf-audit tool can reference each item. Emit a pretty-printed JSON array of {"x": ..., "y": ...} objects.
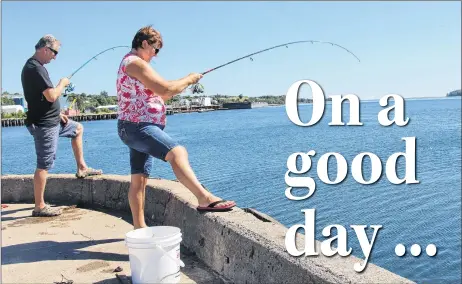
[
  {"x": 198, "y": 88},
  {"x": 71, "y": 86}
]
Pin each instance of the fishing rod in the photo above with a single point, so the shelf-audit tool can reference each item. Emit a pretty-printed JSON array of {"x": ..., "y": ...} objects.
[
  {"x": 71, "y": 86},
  {"x": 198, "y": 88}
]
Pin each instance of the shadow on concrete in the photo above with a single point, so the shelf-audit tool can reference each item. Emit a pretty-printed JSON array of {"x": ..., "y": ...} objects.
[
  {"x": 5, "y": 211},
  {"x": 69, "y": 213},
  {"x": 194, "y": 269},
  {"x": 121, "y": 214},
  {"x": 51, "y": 250},
  {"x": 12, "y": 218},
  {"x": 114, "y": 280}
]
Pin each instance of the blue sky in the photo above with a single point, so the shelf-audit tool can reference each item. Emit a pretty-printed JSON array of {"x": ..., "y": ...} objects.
[{"x": 408, "y": 48}]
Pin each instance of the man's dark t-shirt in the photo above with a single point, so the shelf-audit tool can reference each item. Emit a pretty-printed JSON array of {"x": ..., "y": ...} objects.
[{"x": 35, "y": 80}]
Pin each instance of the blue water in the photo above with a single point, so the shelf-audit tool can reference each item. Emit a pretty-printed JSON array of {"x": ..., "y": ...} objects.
[{"x": 242, "y": 155}]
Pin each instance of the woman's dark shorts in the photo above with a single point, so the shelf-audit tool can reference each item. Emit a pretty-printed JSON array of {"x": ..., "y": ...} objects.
[{"x": 145, "y": 140}]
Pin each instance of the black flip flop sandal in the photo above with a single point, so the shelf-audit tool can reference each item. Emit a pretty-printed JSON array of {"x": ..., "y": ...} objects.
[{"x": 211, "y": 207}]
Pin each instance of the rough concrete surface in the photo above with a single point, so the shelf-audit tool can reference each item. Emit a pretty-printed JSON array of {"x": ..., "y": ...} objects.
[
  {"x": 242, "y": 246},
  {"x": 81, "y": 245}
]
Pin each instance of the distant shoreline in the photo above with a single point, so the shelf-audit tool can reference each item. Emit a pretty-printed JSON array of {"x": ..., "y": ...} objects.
[
  {"x": 19, "y": 121},
  {"x": 408, "y": 98}
]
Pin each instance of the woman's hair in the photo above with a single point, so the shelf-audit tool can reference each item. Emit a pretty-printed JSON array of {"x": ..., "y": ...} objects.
[{"x": 149, "y": 34}]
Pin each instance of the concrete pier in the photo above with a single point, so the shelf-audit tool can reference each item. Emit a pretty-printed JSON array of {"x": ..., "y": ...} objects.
[
  {"x": 7, "y": 122},
  {"x": 83, "y": 117},
  {"x": 67, "y": 248},
  {"x": 241, "y": 246}
]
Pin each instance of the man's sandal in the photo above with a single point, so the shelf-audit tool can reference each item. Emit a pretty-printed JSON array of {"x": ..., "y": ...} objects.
[
  {"x": 46, "y": 211},
  {"x": 88, "y": 172}
]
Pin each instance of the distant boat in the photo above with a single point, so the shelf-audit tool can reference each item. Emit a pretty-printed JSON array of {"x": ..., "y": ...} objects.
[
  {"x": 245, "y": 105},
  {"x": 204, "y": 110}
]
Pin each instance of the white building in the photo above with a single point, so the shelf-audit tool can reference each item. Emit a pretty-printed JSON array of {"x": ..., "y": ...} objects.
[
  {"x": 184, "y": 102},
  {"x": 109, "y": 107},
  {"x": 12, "y": 109},
  {"x": 195, "y": 102},
  {"x": 205, "y": 101}
]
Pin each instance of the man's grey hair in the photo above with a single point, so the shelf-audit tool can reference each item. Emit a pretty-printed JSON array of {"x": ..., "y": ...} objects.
[{"x": 46, "y": 41}]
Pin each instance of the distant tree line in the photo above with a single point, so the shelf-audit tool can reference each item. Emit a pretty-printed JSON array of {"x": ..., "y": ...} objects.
[
  {"x": 456, "y": 93},
  {"x": 18, "y": 114},
  {"x": 7, "y": 101},
  {"x": 275, "y": 100},
  {"x": 76, "y": 101},
  {"x": 85, "y": 101}
]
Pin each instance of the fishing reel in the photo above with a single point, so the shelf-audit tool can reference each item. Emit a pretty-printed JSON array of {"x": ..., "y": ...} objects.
[
  {"x": 197, "y": 88},
  {"x": 69, "y": 88}
]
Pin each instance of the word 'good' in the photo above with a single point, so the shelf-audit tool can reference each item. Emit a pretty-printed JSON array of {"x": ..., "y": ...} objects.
[{"x": 342, "y": 169}]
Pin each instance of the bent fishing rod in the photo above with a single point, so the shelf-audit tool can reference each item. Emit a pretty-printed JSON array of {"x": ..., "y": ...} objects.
[
  {"x": 198, "y": 88},
  {"x": 71, "y": 86}
]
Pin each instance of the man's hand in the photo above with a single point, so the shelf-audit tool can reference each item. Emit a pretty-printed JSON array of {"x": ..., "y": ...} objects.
[
  {"x": 64, "y": 118},
  {"x": 65, "y": 81},
  {"x": 52, "y": 94}
]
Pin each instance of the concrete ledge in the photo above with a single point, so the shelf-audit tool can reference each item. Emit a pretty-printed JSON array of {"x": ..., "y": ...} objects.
[{"x": 244, "y": 246}]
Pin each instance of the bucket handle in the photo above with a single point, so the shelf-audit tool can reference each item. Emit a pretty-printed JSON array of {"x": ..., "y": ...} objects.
[{"x": 177, "y": 261}]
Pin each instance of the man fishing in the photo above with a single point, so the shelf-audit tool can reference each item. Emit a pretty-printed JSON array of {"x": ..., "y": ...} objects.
[{"x": 46, "y": 123}]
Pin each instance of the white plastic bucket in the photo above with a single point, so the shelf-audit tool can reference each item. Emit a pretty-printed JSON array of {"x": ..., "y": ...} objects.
[{"x": 154, "y": 254}]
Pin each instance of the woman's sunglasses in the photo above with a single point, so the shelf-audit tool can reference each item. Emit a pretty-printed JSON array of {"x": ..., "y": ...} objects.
[{"x": 156, "y": 50}]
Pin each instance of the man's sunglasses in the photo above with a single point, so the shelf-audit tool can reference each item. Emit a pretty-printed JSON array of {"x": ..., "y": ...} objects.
[{"x": 54, "y": 51}]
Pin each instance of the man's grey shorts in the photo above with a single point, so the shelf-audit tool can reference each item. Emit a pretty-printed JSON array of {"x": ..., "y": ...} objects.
[{"x": 46, "y": 141}]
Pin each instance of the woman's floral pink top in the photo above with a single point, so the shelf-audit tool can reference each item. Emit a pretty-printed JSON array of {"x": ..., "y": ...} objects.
[{"x": 136, "y": 102}]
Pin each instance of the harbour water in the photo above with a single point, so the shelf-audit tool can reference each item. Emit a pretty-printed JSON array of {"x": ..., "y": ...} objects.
[{"x": 242, "y": 155}]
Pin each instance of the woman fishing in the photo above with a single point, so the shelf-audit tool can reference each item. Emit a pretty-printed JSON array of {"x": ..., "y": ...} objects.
[{"x": 141, "y": 94}]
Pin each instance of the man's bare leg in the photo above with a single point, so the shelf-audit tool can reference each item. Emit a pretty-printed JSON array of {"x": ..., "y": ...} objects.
[
  {"x": 41, "y": 209},
  {"x": 40, "y": 181},
  {"x": 77, "y": 148}
]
